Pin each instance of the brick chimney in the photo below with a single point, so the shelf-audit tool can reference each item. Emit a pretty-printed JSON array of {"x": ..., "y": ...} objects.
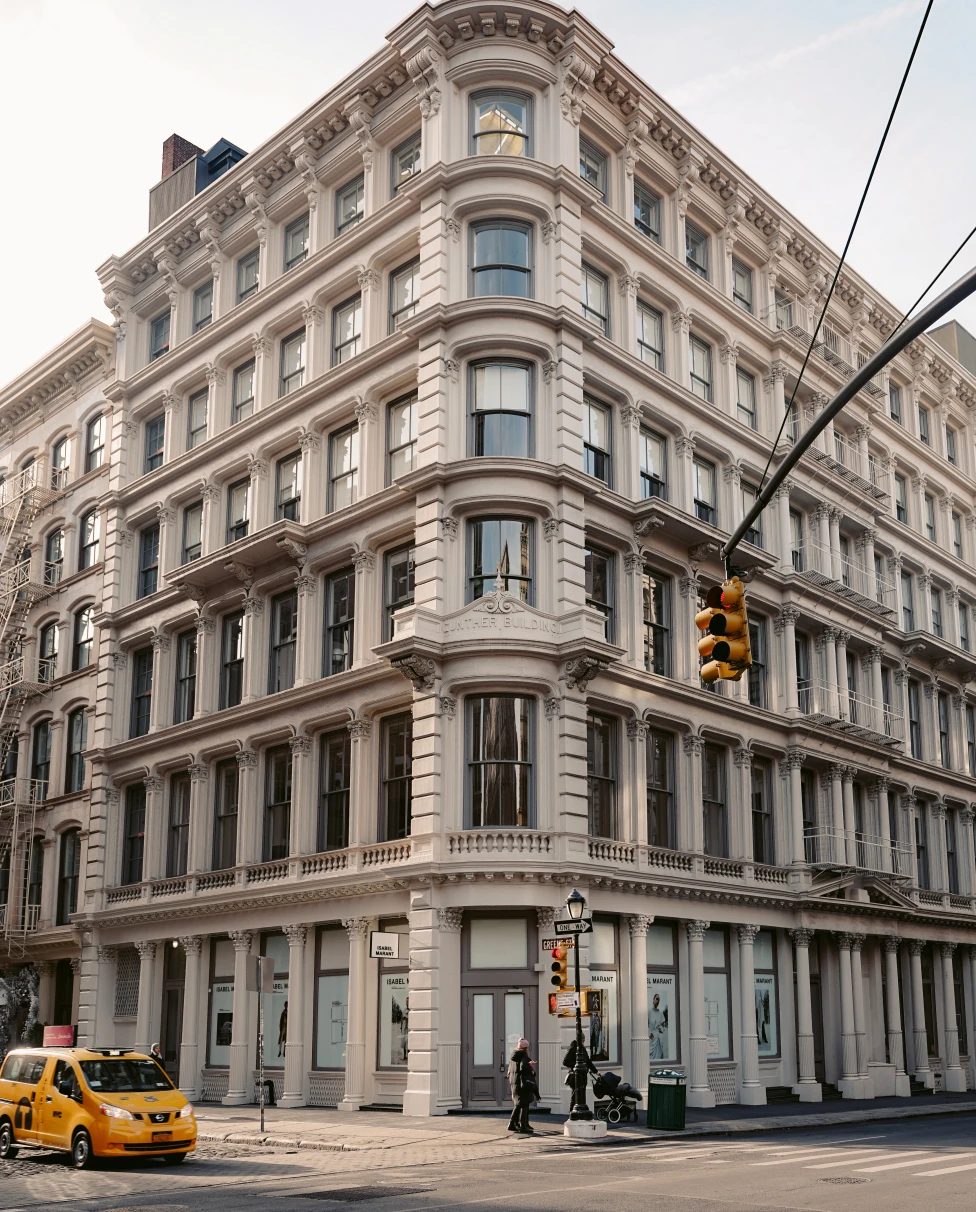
[{"x": 176, "y": 151}]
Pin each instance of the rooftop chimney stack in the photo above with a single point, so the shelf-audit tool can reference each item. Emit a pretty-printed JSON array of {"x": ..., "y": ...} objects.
[
  {"x": 188, "y": 169},
  {"x": 176, "y": 151}
]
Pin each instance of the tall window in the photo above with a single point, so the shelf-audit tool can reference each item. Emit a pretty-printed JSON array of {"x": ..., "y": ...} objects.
[
  {"x": 186, "y": 677},
  {"x": 907, "y": 602},
  {"x": 936, "y": 598},
  {"x": 647, "y": 212},
  {"x": 402, "y": 436},
  {"x": 696, "y": 250},
  {"x": 404, "y": 292},
  {"x": 133, "y": 833},
  {"x": 762, "y": 813},
  {"x": 957, "y": 536},
  {"x": 750, "y": 496},
  {"x": 242, "y": 396},
  {"x": 500, "y": 756},
  {"x": 501, "y": 410},
  {"x": 405, "y": 161},
  {"x": 929, "y": 502},
  {"x": 742, "y": 285},
  {"x": 399, "y": 582},
  {"x": 142, "y": 688},
  {"x": 95, "y": 442},
  {"x": 945, "y": 755},
  {"x": 784, "y": 311},
  {"x": 971, "y": 738},
  {"x": 54, "y": 557},
  {"x": 500, "y": 555},
  {"x": 921, "y": 847},
  {"x": 650, "y": 336},
  {"x": 598, "y": 567},
  {"x": 660, "y": 790},
  {"x": 601, "y": 775},
  {"x": 84, "y": 638},
  {"x": 901, "y": 498},
  {"x": 597, "y": 430},
  {"x": 41, "y": 758},
  {"x": 148, "y": 561},
  {"x": 74, "y": 767},
  {"x": 963, "y": 610},
  {"x": 757, "y": 675},
  {"x": 292, "y": 372},
  {"x": 203, "y": 306},
  {"x": 705, "y": 492},
  {"x": 397, "y": 771},
  {"x": 595, "y": 297},
  {"x": 700, "y": 364},
  {"x": 804, "y": 683},
  {"x": 923, "y": 425},
  {"x": 155, "y": 433},
  {"x": 952, "y": 859},
  {"x": 277, "y": 803},
  {"x": 60, "y": 454},
  {"x": 914, "y": 719},
  {"x": 196, "y": 419},
  {"x": 69, "y": 870},
  {"x": 232, "y": 659},
  {"x": 593, "y": 167},
  {"x": 225, "y": 815},
  {"x": 159, "y": 336},
  {"x": 715, "y": 800},
  {"x": 178, "y": 827},
  {"x": 288, "y": 487},
  {"x": 656, "y": 597},
  {"x": 343, "y": 468},
  {"x": 340, "y": 610},
  {"x": 47, "y": 655},
  {"x": 335, "y": 781},
  {"x": 500, "y": 124},
  {"x": 350, "y": 205},
  {"x": 746, "y": 398},
  {"x": 284, "y": 639},
  {"x": 89, "y": 538},
  {"x": 950, "y": 441},
  {"x": 192, "y": 547},
  {"x": 501, "y": 261},
  {"x": 347, "y": 330},
  {"x": 238, "y": 509},
  {"x": 653, "y": 465},
  {"x": 247, "y": 275},
  {"x": 894, "y": 402},
  {"x": 296, "y": 242}
]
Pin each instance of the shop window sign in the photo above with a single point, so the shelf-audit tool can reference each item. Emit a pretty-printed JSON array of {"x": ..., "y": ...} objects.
[
  {"x": 394, "y": 988},
  {"x": 221, "y": 1023},
  {"x": 765, "y": 978},
  {"x": 662, "y": 994}
]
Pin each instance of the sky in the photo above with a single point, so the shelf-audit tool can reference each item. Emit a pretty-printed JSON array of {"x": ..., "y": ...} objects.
[{"x": 796, "y": 94}]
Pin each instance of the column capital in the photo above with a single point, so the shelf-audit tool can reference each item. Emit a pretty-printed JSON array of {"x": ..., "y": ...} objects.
[
  {"x": 747, "y": 935},
  {"x": 105, "y": 955},
  {"x": 743, "y": 758},
  {"x": 793, "y": 759},
  {"x": 892, "y": 943},
  {"x": 916, "y": 946},
  {"x": 947, "y": 950},
  {"x": 637, "y": 730},
  {"x": 356, "y": 928},
  {"x": 858, "y": 941},
  {"x": 837, "y": 771},
  {"x": 241, "y": 940},
  {"x": 692, "y": 745},
  {"x": 545, "y": 916},
  {"x": 843, "y": 942},
  {"x": 696, "y": 930},
  {"x": 296, "y": 935},
  {"x": 450, "y": 919},
  {"x": 802, "y": 937},
  {"x": 639, "y": 923},
  {"x": 191, "y": 943},
  {"x": 147, "y": 950}
]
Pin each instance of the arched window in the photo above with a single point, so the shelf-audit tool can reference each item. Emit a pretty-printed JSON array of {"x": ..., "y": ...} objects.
[
  {"x": 68, "y": 873},
  {"x": 95, "y": 442},
  {"x": 53, "y": 557},
  {"x": 90, "y": 534},
  {"x": 41, "y": 759},
  {"x": 74, "y": 767},
  {"x": 60, "y": 455},
  {"x": 47, "y": 655},
  {"x": 84, "y": 638}
]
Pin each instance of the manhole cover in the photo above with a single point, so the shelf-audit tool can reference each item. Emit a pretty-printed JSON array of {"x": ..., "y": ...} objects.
[
  {"x": 845, "y": 1181},
  {"x": 354, "y": 1195}
]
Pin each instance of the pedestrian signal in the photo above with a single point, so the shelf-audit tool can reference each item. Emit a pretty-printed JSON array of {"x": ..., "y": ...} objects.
[
  {"x": 560, "y": 967},
  {"x": 726, "y": 624}
]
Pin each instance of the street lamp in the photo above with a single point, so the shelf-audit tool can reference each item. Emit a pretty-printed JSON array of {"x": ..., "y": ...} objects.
[{"x": 575, "y": 904}]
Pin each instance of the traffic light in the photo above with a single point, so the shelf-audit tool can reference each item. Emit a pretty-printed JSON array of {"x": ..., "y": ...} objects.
[
  {"x": 560, "y": 967},
  {"x": 726, "y": 624}
]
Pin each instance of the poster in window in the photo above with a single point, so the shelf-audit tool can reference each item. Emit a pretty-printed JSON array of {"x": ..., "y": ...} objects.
[
  {"x": 275, "y": 1024},
  {"x": 661, "y": 1003},
  {"x": 221, "y": 1023},
  {"x": 603, "y": 1026},
  {"x": 766, "y": 1014},
  {"x": 394, "y": 988},
  {"x": 333, "y": 1011},
  {"x": 717, "y": 1015}
]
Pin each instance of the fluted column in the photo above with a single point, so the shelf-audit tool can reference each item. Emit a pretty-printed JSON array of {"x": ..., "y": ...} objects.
[
  {"x": 751, "y": 1090},
  {"x": 954, "y": 1076},
  {"x": 807, "y": 1086},
  {"x": 922, "y": 1071},
  {"x": 860, "y": 1018},
  {"x": 640, "y": 1047},
  {"x": 896, "y": 1044},
  {"x": 786, "y": 626},
  {"x": 238, "y": 1092},
  {"x": 699, "y": 1093},
  {"x": 147, "y": 967},
  {"x": 189, "y": 1042},
  {"x": 355, "y": 1094},
  {"x": 294, "y": 1093},
  {"x": 848, "y": 1082}
]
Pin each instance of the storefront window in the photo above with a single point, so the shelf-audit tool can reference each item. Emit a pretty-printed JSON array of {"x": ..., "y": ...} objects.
[
  {"x": 767, "y": 1012},
  {"x": 604, "y": 1027},
  {"x": 221, "y": 1003},
  {"x": 716, "y": 995},
  {"x": 499, "y": 942},
  {"x": 331, "y": 999},
  {"x": 662, "y": 994},
  {"x": 394, "y": 989},
  {"x": 275, "y": 1003}
]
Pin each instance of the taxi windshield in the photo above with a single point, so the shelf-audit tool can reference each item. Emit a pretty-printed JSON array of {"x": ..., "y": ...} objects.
[{"x": 120, "y": 1076}]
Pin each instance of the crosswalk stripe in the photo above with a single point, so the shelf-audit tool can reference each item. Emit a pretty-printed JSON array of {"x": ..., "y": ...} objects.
[
  {"x": 950, "y": 1170},
  {"x": 847, "y": 1161},
  {"x": 915, "y": 1159},
  {"x": 797, "y": 1157}
]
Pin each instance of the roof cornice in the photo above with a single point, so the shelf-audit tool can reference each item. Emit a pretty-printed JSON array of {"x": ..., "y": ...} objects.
[{"x": 88, "y": 350}]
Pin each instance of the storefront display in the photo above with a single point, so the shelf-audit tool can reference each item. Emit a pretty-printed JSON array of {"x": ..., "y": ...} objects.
[{"x": 767, "y": 1021}]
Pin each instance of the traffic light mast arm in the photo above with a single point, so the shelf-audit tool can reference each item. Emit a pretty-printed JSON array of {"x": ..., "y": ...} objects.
[{"x": 928, "y": 315}]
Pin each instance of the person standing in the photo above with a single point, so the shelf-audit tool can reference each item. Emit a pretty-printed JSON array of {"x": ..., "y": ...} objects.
[{"x": 525, "y": 1088}]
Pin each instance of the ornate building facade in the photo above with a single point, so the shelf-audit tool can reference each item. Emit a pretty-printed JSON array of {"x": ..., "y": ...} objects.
[{"x": 426, "y": 423}]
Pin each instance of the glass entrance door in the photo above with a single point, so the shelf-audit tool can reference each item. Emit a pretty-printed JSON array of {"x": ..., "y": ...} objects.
[{"x": 495, "y": 1020}]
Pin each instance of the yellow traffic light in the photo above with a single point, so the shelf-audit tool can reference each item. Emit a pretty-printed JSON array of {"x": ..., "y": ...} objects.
[
  {"x": 560, "y": 967},
  {"x": 726, "y": 624}
]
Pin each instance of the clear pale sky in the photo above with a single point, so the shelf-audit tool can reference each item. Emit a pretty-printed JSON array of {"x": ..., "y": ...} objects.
[{"x": 795, "y": 93}]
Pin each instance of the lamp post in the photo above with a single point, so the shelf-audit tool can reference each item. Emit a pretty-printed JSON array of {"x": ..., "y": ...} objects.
[{"x": 575, "y": 904}]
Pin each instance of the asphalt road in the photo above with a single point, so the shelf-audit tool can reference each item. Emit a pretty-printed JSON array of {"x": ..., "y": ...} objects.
[{"x": 895, "y": 1166}]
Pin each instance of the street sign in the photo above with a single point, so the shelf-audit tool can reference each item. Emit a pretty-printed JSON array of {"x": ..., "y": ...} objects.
[
  {"x": 584, "y": 926},
  {"x": 259, "y": 974},
  {"x": 549, "y": 943},
  {"x": 567, "y": 1001}
]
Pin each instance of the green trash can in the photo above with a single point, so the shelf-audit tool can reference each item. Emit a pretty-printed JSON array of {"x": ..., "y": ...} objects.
[{"x": 666, "y": 1090}]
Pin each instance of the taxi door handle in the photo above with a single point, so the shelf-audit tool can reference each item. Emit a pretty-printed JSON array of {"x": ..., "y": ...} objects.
[{"x": 49, "y": 1099}]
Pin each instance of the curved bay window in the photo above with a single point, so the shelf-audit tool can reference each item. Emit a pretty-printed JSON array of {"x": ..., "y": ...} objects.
[
  {"x": 277, "y": 803},
  {"x": 333, "y": 817},
  {"x": 396, "y": 785},
  {"x": 500, "y": 557},
  {"x": 68, "y": 872},
  {"x": 74, "y": 772},
  {"x": 599, "y": 578},
  {"x": 501, "y": 259},
  {"x": 501, "y": 410},
  {"x": 601, "y": 775},
  {"x": 500, "y": 124},
  {"x": 500, "y": 755}
]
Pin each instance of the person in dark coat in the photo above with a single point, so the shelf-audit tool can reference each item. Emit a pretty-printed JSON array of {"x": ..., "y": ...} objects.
[{"x": 525, "y": 1088}]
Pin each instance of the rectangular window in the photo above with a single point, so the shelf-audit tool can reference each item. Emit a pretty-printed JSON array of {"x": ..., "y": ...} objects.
[
  {"x": 499, "y": 761},
  {"x": 717, "y": 1016},
  {"x": 656, "y": 597},
  {"x": 745, "y": 401},
  {"x": 595, "y": 297},
  {"x": 500, "y": 124},
  {"x": 159, "y": 336},
  {"x": 284, "y": 641},
  {"x": 593, "y": 167},
  {"x": 929, "y": 502},
  {"x": 901, "y": 498},
  {"x": 923, "y": 425},
  {"x": 203, "y": 306},
  {"x": 292, "y": 372},
  {"x": 347, "y": 330},
  {"x": 700, "y": 366},
  {"x": 68, "y": 879},
  {"x": 335, "y": 775},
  {"x": 500, "y": 557},
  {"x": 396, "y": 776},
  {"x": 277, "y": 803},
  {"x": 242, "y": 405},
  {"x": 604, "y": 1032},
  {"x": 340, "y": 610},
  {"x": 945, "y": 755},
  {"x": 952, "y": 863},
  {"x": 343, "y": 468},
  {"x": 754, "y": 534},
  {"x": 95, "y": 443},
  {"x": 331, "y": 998},
  {"x": 696, "y": 250},
  {"x": 742, "y": 285},
  {"x": 133, "y": 833},
  {"x": 784, "y": 311},
  {"x": 950, "y": 441},
  {"x": 963, "y": 611},
  {"x": 894, "y": 402},
  {"x": 192, "y": 533},
  {"x": 914, "y": 718},
  {"x": 650, "y": 336},
  {"x": 599, "y": 586},
  {"x": 704, "y": 488},
  {"x": 288, "y": 487},
  {"x": 404, "y": 292},
  {"x": 231, "y": 660},
  {"x": 148, "y": 561},
  {"x": 653, "y": 465},
  {"x": 155, "y": 432},
  {"x": 935, "y": 596},
  {"x": 296, "y": 242},
  {"x": 178, "y": 830},
  {"x": 957, "y": 536},
  {"x": 399, "y": 583},
  {"x": 142, "y": 688},
  {"x": 660, "y": 790},
  {"x": 405, "y": 162},
  {"x": 186, "y": 677},
  {"x": 971, "y": 738},
  {"x": 247, "y": 275},
  {"x": 597, "y": 431},
  {"x": 238, "y": 509},
  {"x": 796, "y": 540},
  {"x": 762, "y": 813},
  {"x": 907, "y": 602},
  {"x": 196, "y": 419},
  {"x": 757, "y": 675},
  {"x": 501, "y": 410},
  {"x": 350, "y": 205},
  {"x": 767, "y": 1017},
  {"x": 402, "y": 436},
  {"x": 601, "y": 775},
  {"x": 921, "y": 847},
  {"x": 501, "y": 262},
  {"x": 804, "y": 683},
  {"x": 715, "y": 800},
  {"x": 647, "y": 212},
  {"x": 225, "y": 815}
]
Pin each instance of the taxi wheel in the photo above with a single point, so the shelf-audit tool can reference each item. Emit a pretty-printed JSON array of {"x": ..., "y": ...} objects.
[
  {"x": 7, "y": 1146},
  {"x": 81, "y": 1150},
  {"x": 174, "y": 1159}
]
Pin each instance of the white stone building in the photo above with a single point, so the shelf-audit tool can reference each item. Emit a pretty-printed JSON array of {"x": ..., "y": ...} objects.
[{"x": 428, "y": 419}]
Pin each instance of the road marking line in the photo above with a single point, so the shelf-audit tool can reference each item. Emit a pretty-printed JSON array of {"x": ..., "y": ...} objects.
[
  {"x": 797, "y": 1157},
  {"x": 847, "y": 1161},
  {"x": 917, "y": 1158},
  {"x": 950, "y": 1170}
]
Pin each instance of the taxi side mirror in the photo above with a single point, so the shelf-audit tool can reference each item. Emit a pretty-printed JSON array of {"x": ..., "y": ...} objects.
[{"x": 67, "y": 1089}]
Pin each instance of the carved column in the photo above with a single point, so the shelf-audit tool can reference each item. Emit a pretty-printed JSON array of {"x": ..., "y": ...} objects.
[
  {"x": 308, "y": 665},
  {"x": 864, "y": 545},
  {"x": 238, "y": 1091},
  {"x": 786, "y": 626},
  {"x": 836, "y": 570},
  {"x": 360, "y": 829},
  {"x": 640, "y": 1046},
  {"x": 821, "y": 560},
  {"x": 249, "y": 831},
  {"x": 294, "y": 1092},
  {"x": 699, "y": 1093},
  {"x": 782, "y": 500},
  {"x": 687, "y": 634},
  {"x": 843, "y": 699},
  {"x": 304, "y": 817},
  {"x": 366, "y": 608},
  {"x": 922, "y": 1071},
  {"x": 199, "y": 856},
  {"x": 850, "y": 833},
  {"x": 751, "y": 1090},
  {"x": 255, "y": 650},
  {"x": 691, "y": 824},
  {"x": 848, "y": 1082},
  {"x": 154, "y": 830},
  {"x": 827, "y": 647},
  {"x": 449, "y": 923},
  {"x": 880, "y": 792},
  {"x": 355, "y": 1094},
  {"x": 147, "y": 968},
  {"x": 954, "y": 1075},
  {"x": 794, "y": 762},
  {"x": 741, "y": 844},
  {"x": 807, "y": 1085},
  {"x": 189, "y": 1080},
  {"x": 205, "y": 692},
  {"x": 684, "y": 449},
  {"x": 896, "y": 1039},
  {"x": 860, "y": 1018}
]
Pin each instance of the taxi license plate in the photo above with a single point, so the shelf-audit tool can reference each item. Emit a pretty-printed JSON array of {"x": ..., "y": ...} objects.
[{"x": 162, "y": 1136}]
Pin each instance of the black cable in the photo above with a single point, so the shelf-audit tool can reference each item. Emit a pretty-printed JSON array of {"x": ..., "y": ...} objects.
[
  {"x": 931, "y": 284},
  {"x": 843, "y": 256}
]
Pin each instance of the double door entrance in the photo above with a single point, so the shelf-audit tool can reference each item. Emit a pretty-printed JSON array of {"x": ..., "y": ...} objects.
[{"x": 495, "y": 1018}]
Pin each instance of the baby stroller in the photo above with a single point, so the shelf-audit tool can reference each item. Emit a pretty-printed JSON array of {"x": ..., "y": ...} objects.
[{"x": 622, "y": 1099}]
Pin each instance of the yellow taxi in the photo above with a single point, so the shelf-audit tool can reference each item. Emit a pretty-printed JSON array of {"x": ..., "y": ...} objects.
[{"x": 92, "y": 1102}]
